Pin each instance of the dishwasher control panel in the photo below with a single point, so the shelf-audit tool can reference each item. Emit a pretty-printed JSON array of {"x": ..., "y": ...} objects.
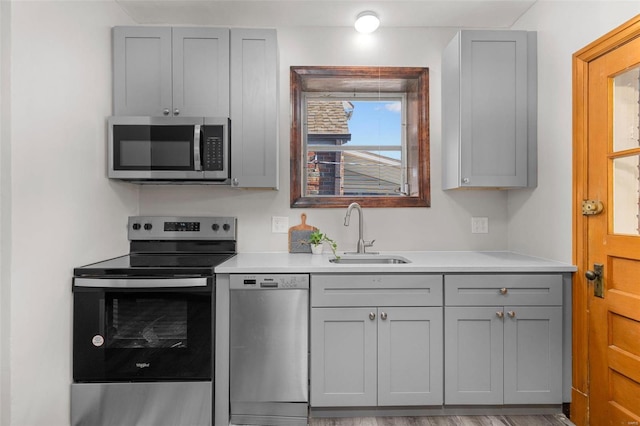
[{"x": 269, "y": 281}]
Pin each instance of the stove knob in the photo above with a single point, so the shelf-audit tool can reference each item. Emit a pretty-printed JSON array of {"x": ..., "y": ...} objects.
[
  {"x": 136, "y": 226},
  {"x": 215, "y": 226},
  {"x": 148, "y": 226},
  {"x": 226, "y": 227}
]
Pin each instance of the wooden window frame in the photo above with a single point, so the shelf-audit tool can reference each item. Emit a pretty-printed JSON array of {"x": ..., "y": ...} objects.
[{"x": 413, "y": 81}]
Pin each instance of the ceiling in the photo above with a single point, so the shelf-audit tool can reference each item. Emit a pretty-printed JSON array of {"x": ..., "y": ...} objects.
[{"x": 328, "y": 13}]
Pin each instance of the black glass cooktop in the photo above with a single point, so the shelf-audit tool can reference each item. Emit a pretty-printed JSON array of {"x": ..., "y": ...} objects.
[{"x": 146, "y": 264}]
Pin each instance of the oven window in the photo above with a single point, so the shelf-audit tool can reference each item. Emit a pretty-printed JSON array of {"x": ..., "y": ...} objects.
[{"x": 146, "y": 323}]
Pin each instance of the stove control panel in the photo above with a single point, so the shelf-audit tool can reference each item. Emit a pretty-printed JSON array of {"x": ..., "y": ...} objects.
[{"x": 182, "y": 228}]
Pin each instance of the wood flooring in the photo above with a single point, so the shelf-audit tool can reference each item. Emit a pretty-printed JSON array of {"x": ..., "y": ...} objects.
[{"x": 541, "y": 420}]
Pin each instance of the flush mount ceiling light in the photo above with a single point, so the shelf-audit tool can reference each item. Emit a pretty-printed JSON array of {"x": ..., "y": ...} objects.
[{"x": 367, "y": 22}]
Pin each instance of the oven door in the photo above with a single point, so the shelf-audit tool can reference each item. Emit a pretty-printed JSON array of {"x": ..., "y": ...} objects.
[{"x": 142, "y": 329}]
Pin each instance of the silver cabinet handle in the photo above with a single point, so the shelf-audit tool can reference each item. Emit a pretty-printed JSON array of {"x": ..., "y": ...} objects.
[
  {"x": 372, "y": 315},
  {"x": 383, "y": 315},
  {"x": 166, "y": 111},
  {"x": 176, "y": 111},
  {"x": 500, "y": 314},
  {"x": 235, "y": 182},
  {"x": 511, "y": 314},
  {"x": 503, "y": 290}
]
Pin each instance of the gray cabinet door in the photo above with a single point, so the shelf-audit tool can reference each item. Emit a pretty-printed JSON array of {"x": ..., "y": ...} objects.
[
  {"x": 474, "y": 355},
  {"x": 343, "y": 357},
  {"x": 141, "y": 70},
  {"x": 533, "y": 355},
  {"x": 410, "y": 356},
  {"x": 489, "y": 110},
  {"x": 201, "y": 72},
  {"x": 254, "y": 109}
]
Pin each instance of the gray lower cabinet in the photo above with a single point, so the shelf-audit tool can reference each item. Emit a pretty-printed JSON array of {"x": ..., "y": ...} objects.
[
  {"x": 171, "y": 71},
  {"x": 503, "y": 354},
  {"x": 376, "y": 355},
  {"x": 254, "y": 108}
]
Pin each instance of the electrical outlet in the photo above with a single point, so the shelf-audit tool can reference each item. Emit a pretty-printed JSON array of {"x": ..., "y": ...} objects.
[
  {"x": 279, "y": 224},
  {"x": 479, "y": 225}
]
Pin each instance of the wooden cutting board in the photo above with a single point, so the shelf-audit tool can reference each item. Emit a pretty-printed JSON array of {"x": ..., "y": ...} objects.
[{"x": 298, "y": 234}]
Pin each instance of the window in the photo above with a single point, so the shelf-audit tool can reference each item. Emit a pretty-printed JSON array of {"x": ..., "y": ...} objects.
[{"x": 359, "y": 134}]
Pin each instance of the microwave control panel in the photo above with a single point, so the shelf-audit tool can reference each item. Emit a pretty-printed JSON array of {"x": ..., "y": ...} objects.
[{"x": 213, "y": 148}]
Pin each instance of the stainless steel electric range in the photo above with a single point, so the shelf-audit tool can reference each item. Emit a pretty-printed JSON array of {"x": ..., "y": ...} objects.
[{"x": 143, "y": 325}]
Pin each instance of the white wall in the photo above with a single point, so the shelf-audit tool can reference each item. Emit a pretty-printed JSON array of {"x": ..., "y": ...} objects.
[
  {"x": 444, "y": 226},
  {"x": 5, "y": 213},
  {"x": 64, "y": 211},
  {"x": 540, "y": 220}
]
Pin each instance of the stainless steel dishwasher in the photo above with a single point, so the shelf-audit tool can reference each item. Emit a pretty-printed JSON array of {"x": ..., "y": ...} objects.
[{"x": 269, "y": 349}]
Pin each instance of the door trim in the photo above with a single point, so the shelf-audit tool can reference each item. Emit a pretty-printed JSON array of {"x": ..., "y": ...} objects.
[{"x": 608, "y": 42}]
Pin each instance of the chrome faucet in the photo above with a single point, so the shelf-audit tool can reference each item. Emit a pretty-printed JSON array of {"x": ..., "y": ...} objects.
[{"x": 362, "y": 244}]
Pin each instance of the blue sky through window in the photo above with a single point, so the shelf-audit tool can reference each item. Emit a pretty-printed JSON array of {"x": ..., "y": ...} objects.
[{"x": 377, "y": 123}]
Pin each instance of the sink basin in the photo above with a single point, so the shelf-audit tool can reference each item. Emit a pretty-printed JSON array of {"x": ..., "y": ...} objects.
[{"x": 364, "y": 259}]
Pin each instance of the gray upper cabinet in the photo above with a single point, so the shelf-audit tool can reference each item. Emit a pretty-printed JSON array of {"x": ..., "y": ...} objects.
[
  {"x": 162, "y": 71},
  {"x": 489, "y": 110},
  {"x": 254, "y": 108}
]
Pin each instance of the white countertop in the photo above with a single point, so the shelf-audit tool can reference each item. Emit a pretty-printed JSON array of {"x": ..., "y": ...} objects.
[{"x": 421, "y": 262}]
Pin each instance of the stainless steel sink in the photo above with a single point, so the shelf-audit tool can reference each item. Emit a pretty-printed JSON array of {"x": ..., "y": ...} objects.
[{"x": 369, "y": 259}]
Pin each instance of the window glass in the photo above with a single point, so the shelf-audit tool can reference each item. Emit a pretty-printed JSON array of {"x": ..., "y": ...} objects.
[{"x": 354, "y": 147}]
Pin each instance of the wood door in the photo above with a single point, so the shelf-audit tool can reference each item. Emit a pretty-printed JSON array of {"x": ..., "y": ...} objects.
[
  {"x": 410, "y": 356},
  {"x": 607, "y": 168}
]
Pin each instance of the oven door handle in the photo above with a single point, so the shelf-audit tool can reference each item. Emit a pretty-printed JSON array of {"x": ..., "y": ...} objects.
[{"x": 140, "y": 282}]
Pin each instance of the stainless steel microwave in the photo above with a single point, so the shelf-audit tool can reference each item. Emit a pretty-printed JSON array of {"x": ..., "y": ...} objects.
[{"x": 169, "y": 149}]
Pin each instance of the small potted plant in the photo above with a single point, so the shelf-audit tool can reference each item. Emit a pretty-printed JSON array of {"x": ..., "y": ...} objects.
[{"x": 316, "y": 240}]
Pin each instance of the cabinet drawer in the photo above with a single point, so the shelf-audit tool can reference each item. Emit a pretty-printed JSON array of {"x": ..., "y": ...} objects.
[
  {"x": 482, "y": 290},
  {"x": 376, "y": 290}
]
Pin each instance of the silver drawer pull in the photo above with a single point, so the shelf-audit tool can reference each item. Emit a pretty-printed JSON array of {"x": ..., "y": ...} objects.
[
  {"x": 503, "y": 291},
  {"x": 383, "y": 315},
  {"x": 372, "y": 315}
]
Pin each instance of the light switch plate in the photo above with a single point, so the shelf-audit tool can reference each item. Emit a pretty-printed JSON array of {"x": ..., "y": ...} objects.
[
  {"x": 479, "y": 225},
  {"x": 279, "y": 224}
]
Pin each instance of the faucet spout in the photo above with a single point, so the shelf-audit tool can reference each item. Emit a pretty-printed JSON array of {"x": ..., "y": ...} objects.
[{"x": 361, "y": 247}]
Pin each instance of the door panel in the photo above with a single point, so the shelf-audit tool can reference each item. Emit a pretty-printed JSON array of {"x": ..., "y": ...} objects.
[
  {"x": 343, "y": 365},
  {"x": 533, "y": 355},
  {"x": 201, "y": 71},
  {"x": 613, "y": 241},
  {"x": 142, "y": 70},
  {"x": 410, "y": 356},
  {"x": 474, "y": 365}
]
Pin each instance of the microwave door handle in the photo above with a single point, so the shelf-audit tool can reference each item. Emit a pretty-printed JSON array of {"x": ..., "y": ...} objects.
[{"x": 197, "y": 144}]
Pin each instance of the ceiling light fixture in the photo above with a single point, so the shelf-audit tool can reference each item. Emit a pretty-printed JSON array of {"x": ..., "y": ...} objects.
[{"x": 367, "y": 22}]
